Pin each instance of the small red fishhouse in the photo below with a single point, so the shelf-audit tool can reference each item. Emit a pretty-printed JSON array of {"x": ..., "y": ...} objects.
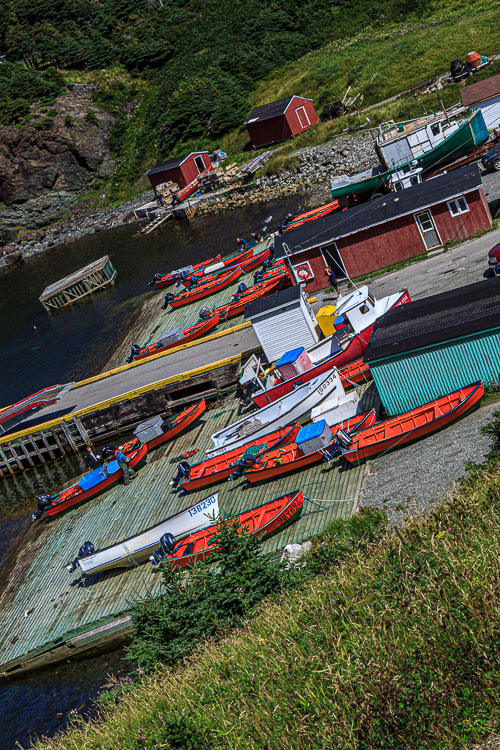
[
  {"x": 181, "y": 169},
  {"x": 277, "y": 121}
]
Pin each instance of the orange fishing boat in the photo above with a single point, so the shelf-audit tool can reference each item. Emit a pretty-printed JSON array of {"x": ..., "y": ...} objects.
[
  {"x": 177, "y": 338},
  {"x": 237, "y": 306},
  {"x": 290, "y": 457},
  {"x": 415, "y": 424},
  {"x": 203, "y": 290},
  {"x": 355, "y": 372},
  {"x": 161, "y": 281},
  {"x": 262, "y": 521},
  {"x": 218, "y": 468},
  {"x": 315, "y": 213}
]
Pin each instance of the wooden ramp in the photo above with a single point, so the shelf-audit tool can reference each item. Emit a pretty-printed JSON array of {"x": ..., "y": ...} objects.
[{"x": 46, "y": 617}]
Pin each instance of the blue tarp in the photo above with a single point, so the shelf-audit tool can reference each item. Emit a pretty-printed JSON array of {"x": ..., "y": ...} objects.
[
  {"x": 98, "y": 475},
  {"x": 290, "y": 356}
]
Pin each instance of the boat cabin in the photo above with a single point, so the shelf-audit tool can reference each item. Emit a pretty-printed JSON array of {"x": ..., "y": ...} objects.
[
  {"x": 400, "y": 180},
  {"x": 400, "y": 143}
]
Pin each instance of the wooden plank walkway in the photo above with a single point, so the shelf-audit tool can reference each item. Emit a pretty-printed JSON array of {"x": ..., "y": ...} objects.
[{"x": 42, "y": 609}]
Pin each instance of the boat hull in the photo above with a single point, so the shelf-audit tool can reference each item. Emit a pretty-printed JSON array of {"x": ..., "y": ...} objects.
[
  {"x": 136, "y": 461},
  {"x": 219, "y": 468},
  {"x": 263, "y": 289},
  {"x": 180, "y": 423},
  {"x": 205, "y": 290},
  {"x": 420, "y": 423},
  {"x": 170, "y": 278},
  {"x": 355, "y": 350},
  {"x": 134, "y": 550},
  {"x": 194, "y": 332},
  {"x": 271, "y": 468},
  {"x": 263, "y": 521}
]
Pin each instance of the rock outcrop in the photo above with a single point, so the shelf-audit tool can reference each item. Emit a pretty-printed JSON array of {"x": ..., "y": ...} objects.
[{"x": 45, "y": 164}]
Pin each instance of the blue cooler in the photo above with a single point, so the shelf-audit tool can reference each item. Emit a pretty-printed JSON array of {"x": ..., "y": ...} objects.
[
  {"x": 314, "y": 437},
  {"x": 92, "y": 478}
]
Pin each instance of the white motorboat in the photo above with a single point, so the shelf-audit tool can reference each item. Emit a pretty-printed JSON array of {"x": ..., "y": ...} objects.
[
  {"x": 136, "y": 549},
  {"x": 293, "y": 407}
]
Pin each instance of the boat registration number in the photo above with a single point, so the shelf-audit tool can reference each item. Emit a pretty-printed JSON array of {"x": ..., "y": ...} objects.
[
  {"x": 326, "y": 383},
  {"x": 202, "y": 506}
]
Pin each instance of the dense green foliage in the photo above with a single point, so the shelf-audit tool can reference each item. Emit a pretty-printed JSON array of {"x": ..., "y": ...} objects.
[{"x": 217, "y": 594}]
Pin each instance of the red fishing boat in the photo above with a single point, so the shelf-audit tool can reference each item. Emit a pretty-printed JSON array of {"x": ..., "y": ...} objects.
[
  {"x": 262, "y": 521},
  {"x": 274, "y": 463},
  {"x": 11, "y": 415},
  {"x": 178, "y": 338},
  {"x": 167, "y": 279},
  {"x": 315, "y": 213},
  {"x": 360, "y": 309},
  {"x": 173, "y": 426},
  {"x": 205, "y": 290},
  {"x": 415, "y": 424},
  {"x": 246, "y": 263},
  {"x": 355, "y": 372},
  {"x": 95, "y": 482},
  {"x": 218, "y": 468},
  {"x": 237, "y": 306}
]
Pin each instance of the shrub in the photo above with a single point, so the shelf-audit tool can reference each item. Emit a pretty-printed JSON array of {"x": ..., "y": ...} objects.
[
  {"x": 68, "y": 121},
  {"x": 91, "y": 117}
]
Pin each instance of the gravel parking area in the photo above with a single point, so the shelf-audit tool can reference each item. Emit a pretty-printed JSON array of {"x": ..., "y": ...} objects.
[{"x": 413, "y": 480}]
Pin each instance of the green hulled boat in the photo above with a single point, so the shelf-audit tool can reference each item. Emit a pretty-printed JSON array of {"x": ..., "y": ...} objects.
[{"x": 428, "y": 143}]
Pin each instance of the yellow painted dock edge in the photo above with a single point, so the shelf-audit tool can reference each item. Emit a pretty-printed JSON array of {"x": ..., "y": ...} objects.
[
  {"x": 124, "y": 397},
  {"x": 180, "y": 348}
]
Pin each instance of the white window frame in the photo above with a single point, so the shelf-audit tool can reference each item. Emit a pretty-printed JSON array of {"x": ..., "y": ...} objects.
[
  {"x": 198, "y": 156},
  {"x": 453, "y": 205},
  {"x": 303, "y": 109}
]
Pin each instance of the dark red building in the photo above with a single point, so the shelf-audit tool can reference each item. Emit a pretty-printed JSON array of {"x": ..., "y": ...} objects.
[
  {"x": 388, "y": 230},
  {"x": 277, "y": 121},
  {"x": 181, "y": 169}
]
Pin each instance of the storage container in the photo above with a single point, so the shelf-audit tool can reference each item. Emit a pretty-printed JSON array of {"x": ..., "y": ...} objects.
[
  {"x": 325, "y": 317},
  {"x": 150, "y": 429},
  {"x": 294, "y": 362},
  {"x": 314, "y": 437},
  {"x": 170, "y": 337}
]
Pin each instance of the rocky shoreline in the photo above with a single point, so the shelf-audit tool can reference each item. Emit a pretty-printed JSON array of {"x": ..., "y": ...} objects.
[{"x": 315, "y": 166}]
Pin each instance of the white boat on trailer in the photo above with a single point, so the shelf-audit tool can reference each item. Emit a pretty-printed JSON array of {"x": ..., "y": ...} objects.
[
  {"x": 136, "y": 549},
  {"x": 293, "y": 407}
]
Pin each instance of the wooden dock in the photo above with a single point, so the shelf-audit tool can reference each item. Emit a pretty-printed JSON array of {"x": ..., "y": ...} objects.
[
  {"x": 46, "y": 617},
  {"x": 85, "y": 281}
]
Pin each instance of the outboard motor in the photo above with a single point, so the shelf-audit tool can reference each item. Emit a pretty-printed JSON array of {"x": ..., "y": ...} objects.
[
  {"x": 204, "y": 313},
  {"x": 182, "y": 277},
  {"x": 244, "y": 463},
  {"x": 169, "y": 296},
  {"x": 85, "y": 550},
  {"x": 108, "y": 452},
  {"x": 272, "y": 249},
  {"x": 183, "y": 470},
  {"x": 342, "y": 441},
  {"x": 135, "y": 349},
  {"x": 241, "y": 288},
  {"x": 193, "y": 282},
  {"x": 258, "y": 277},
  {"x": 155, "y": 279},
  {"x": 41, "y": 503},
  {"x": 167, "y": 546}
]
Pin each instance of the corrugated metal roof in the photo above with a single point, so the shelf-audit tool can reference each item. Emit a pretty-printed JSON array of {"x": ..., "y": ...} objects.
[
  {"x": 176, "y": 161},
  {"x": 283, "y": 297},
  {"x": 273, "y": 109},
  {"x": 375, "y": 212},
  {"x": 480, "y": 91},
  {"x": 431, "y": 320}
]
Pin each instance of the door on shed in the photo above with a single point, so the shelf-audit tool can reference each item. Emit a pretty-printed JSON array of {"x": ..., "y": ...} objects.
[
  {"x": 428, "y": 230},
  {"x": 200, "y": 164},
  {"x": 333, "y": 258},
  {"x": 302, "y": 117}
]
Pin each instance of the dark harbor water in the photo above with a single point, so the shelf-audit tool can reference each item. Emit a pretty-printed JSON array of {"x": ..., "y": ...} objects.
[{"x": 40, "y": 350}]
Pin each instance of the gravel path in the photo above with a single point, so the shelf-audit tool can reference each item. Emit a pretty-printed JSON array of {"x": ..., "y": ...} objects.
[{"x": 413, "y": 480}]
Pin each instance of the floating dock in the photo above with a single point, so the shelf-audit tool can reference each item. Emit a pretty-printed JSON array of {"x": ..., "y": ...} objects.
[
  {"x": 96, "y": 275},
  {"x": 46, "y": 617}
]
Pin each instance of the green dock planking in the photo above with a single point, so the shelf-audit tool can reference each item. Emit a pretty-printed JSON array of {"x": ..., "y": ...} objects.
[
  {"x": 41, "y": 607},
  {"x": 152, "y": 321}
]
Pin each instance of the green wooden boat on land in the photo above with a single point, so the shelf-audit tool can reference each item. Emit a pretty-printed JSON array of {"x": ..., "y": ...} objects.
[{"x": 429, "y": 143}]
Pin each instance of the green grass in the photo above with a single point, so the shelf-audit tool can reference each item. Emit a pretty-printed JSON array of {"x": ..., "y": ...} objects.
[{"x": 396, "y": 646}]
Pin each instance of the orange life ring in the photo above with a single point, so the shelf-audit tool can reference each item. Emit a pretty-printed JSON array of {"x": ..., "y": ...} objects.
[{"x": 303, "y": 272}]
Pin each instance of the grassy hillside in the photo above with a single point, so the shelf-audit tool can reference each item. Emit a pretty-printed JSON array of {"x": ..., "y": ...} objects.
[
  {"x": 393, "y": 645},
  {"x": 183, "y": 75}
]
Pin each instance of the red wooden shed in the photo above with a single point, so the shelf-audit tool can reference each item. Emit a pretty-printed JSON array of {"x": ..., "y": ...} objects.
[
  {"x": 280, "y": 120},
  {"x": 181, "y": 169},
  {"x": 388, "y": 230}
]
